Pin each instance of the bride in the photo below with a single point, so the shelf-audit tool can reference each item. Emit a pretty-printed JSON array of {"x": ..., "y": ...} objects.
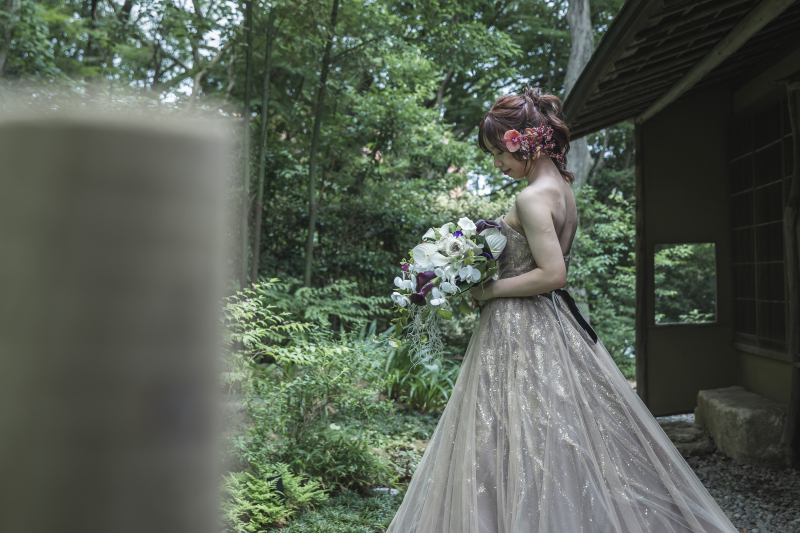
[{"x": 542, "y": 432}]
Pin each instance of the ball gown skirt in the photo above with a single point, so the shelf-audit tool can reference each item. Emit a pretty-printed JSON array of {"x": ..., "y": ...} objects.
[{"x": 543, "y": 434}]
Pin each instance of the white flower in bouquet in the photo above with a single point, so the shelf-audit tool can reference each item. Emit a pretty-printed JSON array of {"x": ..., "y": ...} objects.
[
  {"x": 457, "y": 247},
  {"x": 438, "y": 297},
  {"x": 400, "y": 300},
  {"x": 407, "y": 284},
  {"x": 426, "y": 255},
  {"x": 452, "y": 246},
  {"x": 443, "y": 242},
  {"x": 449, "y": 288},
  {"x": 467, "y": 226},
  {"x": 448, "y": 262},
  {"x": 495, "y": 240},
  {"x": 451, "y": 271},
  {"x": 431, "y": 233},
  {"x": 470, "y": 274}
]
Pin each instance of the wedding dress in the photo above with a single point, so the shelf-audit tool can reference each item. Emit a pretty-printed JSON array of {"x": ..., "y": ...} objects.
[{"x": 543, "y": 434}]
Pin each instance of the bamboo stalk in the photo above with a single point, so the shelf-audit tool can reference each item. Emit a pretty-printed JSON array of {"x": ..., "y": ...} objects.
[
  {"x": 313, "y": 164},
  {"x": 246, "y": 143},
  {"x": 262, "y": 168}
]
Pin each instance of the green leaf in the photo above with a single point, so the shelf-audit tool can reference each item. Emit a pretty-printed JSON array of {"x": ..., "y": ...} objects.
[
  {"x": 444, "y": 313},
  {"x": 464, "y": 306},
  {"x": 398, "y": 328}
]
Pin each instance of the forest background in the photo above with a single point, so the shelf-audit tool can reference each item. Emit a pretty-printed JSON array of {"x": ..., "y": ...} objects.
[{"x": 356, "y": 123}]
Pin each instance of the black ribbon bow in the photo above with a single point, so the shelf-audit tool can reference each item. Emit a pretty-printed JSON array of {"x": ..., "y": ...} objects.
[{"x": 576, "y": 313}]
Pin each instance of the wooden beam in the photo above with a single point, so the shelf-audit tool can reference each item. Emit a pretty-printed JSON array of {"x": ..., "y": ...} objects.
[
  {"x": 749, "y": 65},
  {"x": 665, "y": 63},
  {"x": 791, "y": 235},
  {"x": 691, "y": 4},
  {"x": 640, "y": 324},
  {"x": 667, "y": 48},
  {"x": 759, "y": 17},
  {"x": 643, "y": 78},
  {"x": 692, "y": 22},
  {"x": 627, "y": 94}
]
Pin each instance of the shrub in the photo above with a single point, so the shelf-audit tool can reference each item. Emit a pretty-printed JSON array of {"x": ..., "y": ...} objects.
[
  {"x": 424, "y": 386},
  {"x": 340, "y": 457},
  {"x": 253, "y": 331},
  {"x": 347, "y": 512},
  {"x": 254, "y": 502},
  {"x": 335, "y": 306},
  {"x": 315, "y": 385}
]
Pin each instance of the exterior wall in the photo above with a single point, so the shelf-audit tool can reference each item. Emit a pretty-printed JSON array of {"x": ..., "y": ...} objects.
[
  {"x": 767, "y": 86},
  {"x": 684, "y": 199},
  {"x": 767, "y": 373},
  {"x": 685, "y": 183},
  {"x": 765, "y": 376}
]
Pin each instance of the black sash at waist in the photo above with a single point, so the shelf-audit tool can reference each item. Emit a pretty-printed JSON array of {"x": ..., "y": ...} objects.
[{"x": 576, "y": 313}]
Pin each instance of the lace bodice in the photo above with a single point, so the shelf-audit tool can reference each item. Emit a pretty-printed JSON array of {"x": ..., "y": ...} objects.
[{"x": 516, "y": 258}]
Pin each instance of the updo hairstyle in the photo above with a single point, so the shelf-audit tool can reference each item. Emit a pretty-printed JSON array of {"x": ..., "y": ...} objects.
[{"x": 527, "y": 110}]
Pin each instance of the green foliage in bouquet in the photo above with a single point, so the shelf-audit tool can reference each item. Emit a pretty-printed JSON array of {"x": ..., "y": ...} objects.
[{"x": 448, "y": 262}]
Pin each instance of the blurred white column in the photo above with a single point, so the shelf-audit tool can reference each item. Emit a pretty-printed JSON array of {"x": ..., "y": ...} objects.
[{"x": 110, "y": 277}]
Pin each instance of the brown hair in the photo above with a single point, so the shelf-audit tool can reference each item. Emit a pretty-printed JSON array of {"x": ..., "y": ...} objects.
[{"x": 527, "y": 110}]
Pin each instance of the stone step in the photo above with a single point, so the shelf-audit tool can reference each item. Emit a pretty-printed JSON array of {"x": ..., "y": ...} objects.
[{"x": 745, "y": 426}]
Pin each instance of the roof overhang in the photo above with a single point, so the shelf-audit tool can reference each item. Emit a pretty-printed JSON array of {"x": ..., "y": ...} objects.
[{"x": 656, "y": 51}]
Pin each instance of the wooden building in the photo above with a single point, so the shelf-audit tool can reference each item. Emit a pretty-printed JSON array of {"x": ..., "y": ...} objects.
[{"x": 712, "y": 86}]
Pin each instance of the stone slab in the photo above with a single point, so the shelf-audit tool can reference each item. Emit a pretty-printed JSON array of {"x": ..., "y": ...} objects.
[{"x": 745, "y": 426}]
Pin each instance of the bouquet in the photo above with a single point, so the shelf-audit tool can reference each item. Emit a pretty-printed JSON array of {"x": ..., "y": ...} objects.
[{"x": 448, "y": 262}]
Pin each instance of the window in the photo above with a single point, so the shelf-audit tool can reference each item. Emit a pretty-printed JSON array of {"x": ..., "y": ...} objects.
[
  {"x": 759, "y": 173},
  {"x": 685, "y": 283}
]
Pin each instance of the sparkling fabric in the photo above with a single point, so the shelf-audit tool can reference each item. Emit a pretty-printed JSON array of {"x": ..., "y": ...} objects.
[{"x": 543, "y": 434}]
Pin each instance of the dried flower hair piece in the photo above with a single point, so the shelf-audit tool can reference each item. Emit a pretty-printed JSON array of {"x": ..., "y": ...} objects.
[{"x": 533, "y": 142}]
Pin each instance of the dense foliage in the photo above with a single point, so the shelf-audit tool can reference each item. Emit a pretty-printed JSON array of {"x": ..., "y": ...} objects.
[
  {"x": 315, "y": 402},
  {"x": 685, "y": 283},
  {"x": 379, "y": 102}
]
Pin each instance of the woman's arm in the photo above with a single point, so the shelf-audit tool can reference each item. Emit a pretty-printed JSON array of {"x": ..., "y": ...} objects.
[{"x": 535, "y": 210}]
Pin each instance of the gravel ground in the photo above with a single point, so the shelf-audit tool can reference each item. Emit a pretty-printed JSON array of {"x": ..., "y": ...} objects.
[{"x": 757, "y": 500}]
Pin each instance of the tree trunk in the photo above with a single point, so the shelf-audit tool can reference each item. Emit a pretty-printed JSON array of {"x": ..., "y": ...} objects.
[
  {"x": 246, "y": 142},
  {"x": 312, "y": 167},
  {"x": 262, "y": 165},
  {"x": 580, "y": 31},
  {"x": 12, "y": 10}
]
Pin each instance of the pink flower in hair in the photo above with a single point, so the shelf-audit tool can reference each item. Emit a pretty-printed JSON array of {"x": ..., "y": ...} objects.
[{"x": 513, "y": 140}]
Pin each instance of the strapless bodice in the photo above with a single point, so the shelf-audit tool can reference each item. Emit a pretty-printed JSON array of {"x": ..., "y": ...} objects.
[{"x": 516, "y": 258}]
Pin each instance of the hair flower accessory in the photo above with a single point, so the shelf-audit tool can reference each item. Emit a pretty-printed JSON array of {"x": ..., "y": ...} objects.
[
  {"x": 533, "y": 142},
  {"x": 513, "y": 140}
]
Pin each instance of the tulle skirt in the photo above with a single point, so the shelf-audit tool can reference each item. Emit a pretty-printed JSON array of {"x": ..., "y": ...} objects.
[{"x": 544, "y": 434}]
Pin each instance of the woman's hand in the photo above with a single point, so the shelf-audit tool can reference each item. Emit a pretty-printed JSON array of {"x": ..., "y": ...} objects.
[{"x": 481, "y": 293}]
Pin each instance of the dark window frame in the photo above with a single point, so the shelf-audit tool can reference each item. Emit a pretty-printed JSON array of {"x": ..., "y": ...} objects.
[{"x": 759, "y": 174}]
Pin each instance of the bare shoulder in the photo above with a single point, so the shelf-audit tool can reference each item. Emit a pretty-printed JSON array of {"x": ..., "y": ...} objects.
[{"x": 544, "y": 195}]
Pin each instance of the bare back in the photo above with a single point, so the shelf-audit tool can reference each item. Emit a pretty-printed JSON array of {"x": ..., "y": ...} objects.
[{"x": 565, "y": 215}]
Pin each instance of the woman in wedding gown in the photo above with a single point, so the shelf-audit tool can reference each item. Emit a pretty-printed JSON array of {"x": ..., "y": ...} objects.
[{"x": 542, "y": 432}]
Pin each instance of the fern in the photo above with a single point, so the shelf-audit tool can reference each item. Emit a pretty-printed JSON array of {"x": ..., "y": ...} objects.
[
  {"x": 253, "y": 503},
  {"x": 338, "y": 304}
]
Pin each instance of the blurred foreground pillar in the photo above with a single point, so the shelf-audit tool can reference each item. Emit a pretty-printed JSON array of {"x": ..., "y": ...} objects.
[{"x": 110, "y": 278}]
